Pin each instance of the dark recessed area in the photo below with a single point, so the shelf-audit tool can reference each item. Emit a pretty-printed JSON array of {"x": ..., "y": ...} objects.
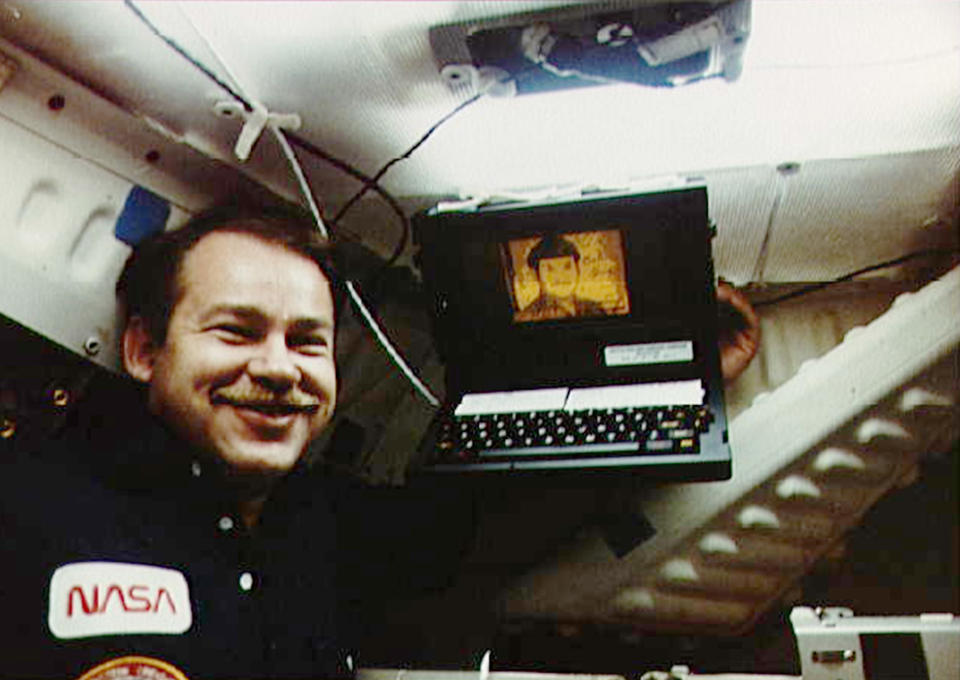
[{"x": 57, "y": 102}]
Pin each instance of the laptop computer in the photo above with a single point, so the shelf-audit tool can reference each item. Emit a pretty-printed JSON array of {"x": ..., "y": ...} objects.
[{"x": 576, "y": 335}]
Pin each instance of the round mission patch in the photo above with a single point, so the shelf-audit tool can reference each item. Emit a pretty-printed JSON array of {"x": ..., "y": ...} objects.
[{"x": 139, "y": 667}]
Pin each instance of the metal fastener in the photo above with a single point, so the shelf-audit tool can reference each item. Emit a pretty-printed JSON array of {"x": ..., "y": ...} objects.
[{"x": 92, "y": 346}]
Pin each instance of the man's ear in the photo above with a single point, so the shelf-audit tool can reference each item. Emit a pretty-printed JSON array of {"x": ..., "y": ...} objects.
[{"x": 139, "y": 350}]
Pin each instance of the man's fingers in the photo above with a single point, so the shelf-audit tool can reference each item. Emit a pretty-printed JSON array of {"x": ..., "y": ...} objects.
[{"x": 739, "y": 331}]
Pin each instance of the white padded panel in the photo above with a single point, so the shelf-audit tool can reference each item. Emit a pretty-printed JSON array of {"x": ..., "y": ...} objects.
[
  {"x": 841, "y": 215},
  {"x": 60, "y": 259},
  {"x": 740, "y": 202},
  {"x": 66, "y": 175}
]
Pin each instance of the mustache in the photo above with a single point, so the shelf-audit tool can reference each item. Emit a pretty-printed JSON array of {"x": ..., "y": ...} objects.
[{"x": 257, "y": 396}]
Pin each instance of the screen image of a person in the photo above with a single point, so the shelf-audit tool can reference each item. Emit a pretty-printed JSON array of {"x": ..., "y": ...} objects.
[{"x": 556, "y": 262}]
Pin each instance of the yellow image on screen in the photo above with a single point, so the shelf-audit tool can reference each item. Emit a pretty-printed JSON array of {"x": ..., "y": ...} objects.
[{"x": 557, "y": 276}]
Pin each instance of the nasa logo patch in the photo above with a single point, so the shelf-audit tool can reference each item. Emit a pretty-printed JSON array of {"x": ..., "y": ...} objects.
[
  {"x": 141, "y": 667},
  {"x": 115, "y": 598}
]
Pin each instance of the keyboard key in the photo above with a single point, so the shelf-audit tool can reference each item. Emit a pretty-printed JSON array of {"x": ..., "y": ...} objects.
[{"x": 658, "y": 445}]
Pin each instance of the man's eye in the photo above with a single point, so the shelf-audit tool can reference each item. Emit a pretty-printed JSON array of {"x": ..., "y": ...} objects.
[
  {"x": 234, "y": 332},
  {"x": 309, "y": 343}
]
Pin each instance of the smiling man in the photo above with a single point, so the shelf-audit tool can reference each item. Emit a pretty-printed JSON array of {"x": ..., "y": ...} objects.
[
  {"x": 245, "y": 369},
  {"x": 179, "y": 521}
]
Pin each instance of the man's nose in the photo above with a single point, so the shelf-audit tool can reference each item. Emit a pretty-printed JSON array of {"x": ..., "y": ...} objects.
[{"x": 272, "y": 365}]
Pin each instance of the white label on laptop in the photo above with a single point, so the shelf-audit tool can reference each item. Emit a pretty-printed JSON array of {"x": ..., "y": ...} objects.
[
  {"x": 648, "y": 353},
  {"x": 679, "y": 393},
  {"x": 547, "y": 399}
]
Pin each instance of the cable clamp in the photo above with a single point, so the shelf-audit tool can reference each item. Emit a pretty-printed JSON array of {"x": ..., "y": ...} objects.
[{"x": 254, "y": 122}]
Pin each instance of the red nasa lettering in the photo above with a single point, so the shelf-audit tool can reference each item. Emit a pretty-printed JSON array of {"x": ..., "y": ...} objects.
[{"x": 137, "y": 599}]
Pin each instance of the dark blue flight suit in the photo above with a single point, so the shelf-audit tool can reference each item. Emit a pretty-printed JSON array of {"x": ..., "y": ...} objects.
[{"x": 278, "y": 601}]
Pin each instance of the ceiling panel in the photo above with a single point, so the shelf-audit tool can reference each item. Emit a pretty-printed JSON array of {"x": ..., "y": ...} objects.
[
  {"x": 840, "y": 215},
  {"x": 835, "y": 86},
  {"x": 740, "y": 203}
]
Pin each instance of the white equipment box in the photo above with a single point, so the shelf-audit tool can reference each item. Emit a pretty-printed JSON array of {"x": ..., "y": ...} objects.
[{"x": 836, "y": 645}]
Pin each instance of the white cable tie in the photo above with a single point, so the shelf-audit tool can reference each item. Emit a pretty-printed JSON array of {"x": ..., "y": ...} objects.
[{"x": 254, "y": 122}]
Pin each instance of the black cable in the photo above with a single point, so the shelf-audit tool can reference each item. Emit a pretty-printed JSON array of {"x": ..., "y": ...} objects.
[
  {"x": 189, "y": 57},
  {"x": 813, "y": 287},
  {"x": 373, "y": 183},
  {"x": 405, "y": 155},
  {"x": 348, "y": 169}
]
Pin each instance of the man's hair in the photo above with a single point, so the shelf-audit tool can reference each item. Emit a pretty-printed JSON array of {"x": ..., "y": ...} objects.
[
  {"x": 552, "y": 246},
  {"x": 149, "y": 286}
]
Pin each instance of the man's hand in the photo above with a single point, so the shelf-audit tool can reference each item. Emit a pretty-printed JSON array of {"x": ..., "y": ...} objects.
[{"x": 739, "y": 331}]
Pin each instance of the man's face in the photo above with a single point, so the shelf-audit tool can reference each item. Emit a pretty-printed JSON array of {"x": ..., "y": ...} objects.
[
  {"x": 247, "y": 370},
  {"x": 558, "y": 276}
]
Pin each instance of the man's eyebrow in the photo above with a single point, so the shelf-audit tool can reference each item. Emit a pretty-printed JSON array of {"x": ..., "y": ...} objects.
[
  {"x": 308, "y": 324},
  {"x": 243, "y": 312},
  {"x": 254, "y": 315}
]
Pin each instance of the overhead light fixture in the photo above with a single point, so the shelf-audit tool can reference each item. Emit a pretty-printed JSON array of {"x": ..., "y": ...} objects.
[{"x": 656, "y": 44}]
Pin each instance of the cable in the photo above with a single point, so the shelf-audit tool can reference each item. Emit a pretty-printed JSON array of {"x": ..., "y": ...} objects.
[
  {"x": 189, "y": 57},
  {"x": 354, "y": 294},
  {"x": 385, "y": 343},
  {"x": 345, "y": 167},
  {"x": 301, "y": 178},
  {"x": 813, "y": 287},
  {"x": 373, "y": 182},
  {"x": 406, "y": 154}
]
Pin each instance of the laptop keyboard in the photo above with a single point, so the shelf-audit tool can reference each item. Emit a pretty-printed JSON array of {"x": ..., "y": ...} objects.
[{"x": 650, "y": 430}]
